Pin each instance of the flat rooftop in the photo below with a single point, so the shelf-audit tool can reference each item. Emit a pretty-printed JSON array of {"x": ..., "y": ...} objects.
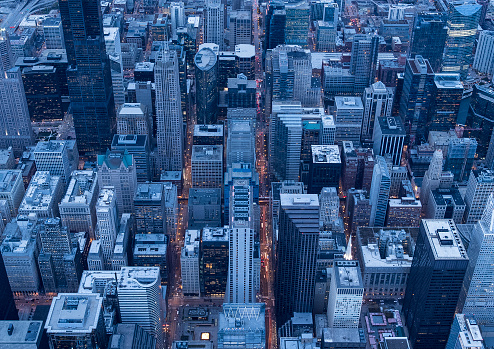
[
  {"x": 207, "y": 153},
  {"x": 208, "y": 130},
  {"x": 325, "y": 154},
  {"x": 138, "y": 277},
  {"x": 215, "y": 234},
  {"x": 348, "y": 102},
  {"x": 8, "y": 178},
  {"x": 347, "y": 274},
  {"x": 444, "y": 239},
  {"x": 81, "y": 187},
  {"x": 25, "y": 334},
  {"x": 305, "y": 200},
  {"x": 149, "y": 191}
]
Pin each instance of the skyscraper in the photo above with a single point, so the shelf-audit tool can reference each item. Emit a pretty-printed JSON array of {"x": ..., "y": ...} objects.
[
  {"x": 363, "y": 64},
  {"x": 378, "y": 102},
  {"x": 88, "y": 75},
  {"x": 379, "y": 192},
  {"x": 296, "y": 267},
  {"x": 107, "y": 223},
  {"x": 479, "y": 188},
  {"x": 447, "y": 93},
  {"x": 275, "y": 24},
  {"x": 389, "y": 138},
  {"x": 484, "y": 55},
  {"x": 463, "y": 20},
  {"x": 206, "y": 85},
  {"x": 214, "y": 26},
  {"x": 435, "y": 282},
  {"x": 169, "y": 117},
  {"x": 426, "y": 25}
]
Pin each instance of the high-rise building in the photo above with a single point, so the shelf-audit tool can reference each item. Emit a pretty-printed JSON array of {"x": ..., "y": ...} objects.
[
  {"x": 329, "y": 207},
  {"x": 461, "y": 153},
  {"x": 484, "y": 54},
  {"x": 275, "y": 24},
  {"x": 118, "y": 170},
  {"x": 378, "y": 102},
  {"x": 345, "y": 295},
  {"x": 465, "y": 333},
  {"x": 206, "y": 84},
  {"x": 107, "y": 223},
  {"x": 479, "y": 188},
  {"x": 12, "y": 189},
  {"x": 240, "y": 146},
  {"x": 177, "y": 16},
  {"x": 296, "y": 268},
  {"x": 214, "y": 252},
  {"x": 207, "y": 166},
  {"x": 296, "y": 26},
  {"x": 428, "y": 24},
  {"x": 8, "y": 310},
  {"x": 432, "y": 177},
  {"x": 78, "y": 206},
  {"x": 379, "y": 192},
  {"x": 208, "y": 135},
  {"x": 416, "y": 96},
  {"x": 480, "y": 120},
  {"x": 169, "y": 117},
  {"x": 139, "y": 299},
  {"x": 6, "y": 56},
  {"x": 447, "y": 93},
  {"x": 389, "y": 138},
  {"x": 189, "y": 263},
  {"x": 14, "y": 114},
  {"x": 150, "y": 251},
  {"x": 149, "y": 208},
  {"x": 137, "y": 146},
  {"x": 53, "y": 156},
  {"x": 240, "y": 28},
  {"x": 89, "y": 75},
  {"x": 348, "y": 119},
  {"x": 324, "y": 169},
  {"x": 214, "y": 26},
  {"x": 445, "y": 204},
  {"x": 53, "y": 33},
  {"x": 204, "y": 208},
  {"x": 363, "y": 64},
  {"x": 251, "y": 329},
  {"x": 463, "y": 21},
  {"x": 440, "y": 259},
  {"x": 241, "y": 92},
  {"x": 114, "y": 51},
  {"x": 286, "y": 149},
  {"x": 95, "y": 259},
  {"x": 42, "y": 196},
  {"x": 133, "y": 119}
]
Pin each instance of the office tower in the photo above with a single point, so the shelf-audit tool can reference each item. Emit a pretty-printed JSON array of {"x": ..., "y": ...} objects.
[
  {"x": 206, "y": 85},
  {"x": 214, "y": 251},
  {"x": 78, "y": 205},
  {"x": 55, "y": 245},
  {"x": 348, "y": 119},
  {"x": 207, "y": 166},
  {"x": 214, "y": 25},
  {"x": 480, "y": 120},
  {"x": 363, "y": 64},
  {"x": 169, "y": 117},
  {"x": 404, "y": 212},
  {"x": 240, "y": 28},
  {"x": 6, "y": 56},
  {"x": 139, "y": 298},
  {"x": 445, "y": 204},
  {"x": 150, "y": 251},
  {"x": 425, "y": 26},
  {"x": 275, "y": 24},
  {"x": 12, "y": 189},
  {"x": 297, "y": 23},
  {"x": 389, "y": 138},
  {"x": 75, "y": 320},
  {"x": 359, "y": 209},
  {"x": 118, "y": 170},
  {"x": 53, "y": 33},
  {"x": 484, "y": 55},
  {"x": 241, "y": 92},
  {"x": 329, "y": 207},
  {"x": 114, "y": 51},
  {"x": 285, "y": 153},
  {"x": 440, "y": 259},
  {"x": 240, "y": 146},
  {"x": 378, "y": 102},
  {"x": 278, "y": 188},
  {"x": 107, "y": 222},
  {"x": 357, "y": 166},
  {"x": 432, "y": 177},
  {"x": 133, "y": 119},
  {"x": 137, "y": 146},
  {"x": 208, "y": 135},
  {"x": 204, "y": 208},
  {"x": 14, "y": 114},
  {"x": 52, "y": 156},
  {"x": 463, "y": 20},
  {"x": 245, "y": 60},
  {"x": 95, "y": 258},
  {"x": 465, "y": 333},
  {"x": 345, "y": 295},
  {"x": 89, "y": 71},
  {"x": 250, "y": 333},
  {"x": 447, "y": 93},
  {"x": 416, "y": 96},
  {"x": 459, "y": 161},
  {"x": 177, "y": 16},
  {"x": 479, "y": 188},
  {"x": 324, "y": 169},
  {"x": 42, "y": 196},
  {"x": 120, "y": 256},
  {"x": 149, "y": 208},
  {"x": 296, "y": 268},
  {"x": 189, "y": 263},
  {"x": 379, "y": 192},
  {"x": 171, "y": 207}
]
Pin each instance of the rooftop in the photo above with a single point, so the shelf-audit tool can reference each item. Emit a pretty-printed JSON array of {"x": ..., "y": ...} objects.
[
  {"x": 106, "y": 197},
  {"x": 207, "y": 152},
  {"x": 215, "y": 234},
  {"x": 329, "y": 154},
  {"x": 391, "y": 125},
  {"x": 131, "y": 109},
  {"x": 50, "y": 147},
  {"x": 348, "y": 102},
  {"x": 81, "y": 187},
  {"x": 208, "y": 130},
  {"x": 8, "y": 179},
  {"x": 347, "y": 274},
  {"x": 138, "y": 277},
  {"x": 449, "y": 81},
  {"x": 245, "y": 51},
  {"x": 444, "y": 239},
  {"x": 74, "y": 313},
  {"x": 39, "y": 194},
  {"x": 302, "y": 200},
  {"x": 205, "y": 58},
  {"x": 149, "y": 191},
  {"x": 20, "y": 334}
]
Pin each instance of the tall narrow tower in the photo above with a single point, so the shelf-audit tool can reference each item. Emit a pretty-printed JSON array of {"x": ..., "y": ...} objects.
[{"x": 215, "y": 22}]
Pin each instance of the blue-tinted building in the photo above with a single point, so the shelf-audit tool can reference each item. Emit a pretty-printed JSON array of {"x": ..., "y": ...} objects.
[{"x": 429, "y": 25}]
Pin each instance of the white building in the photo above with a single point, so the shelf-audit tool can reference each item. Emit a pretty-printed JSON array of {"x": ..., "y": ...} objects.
[
  {"x": 378, "y": 102},
  {"x": 465, "y": 333},
  {"x": 107, "y": 223},
  {"x": 479, "y": 188},
  {"x": 12, "y": 189},
  {"x": 207, "y": 166},
  {"x": 177, "y": 16},
  {"x": 133, "y": 119},
  {"x": 53, "y": 156},
  {"x": 139, "y": 299},
  {"x": 42, "y": 196},
  {"x": 171, "y": 207},
  {"x": 214, "y": 25},
  {"x": 329, "y": 206},
  {"x": 484, "y": 55},
  {"x": 189, "y": 263},
  {"x": 348, "y": 119},
  {"x": 114, "y": 51},
  {"x": 345, "y": 295},
  {"x": 78, "y": 206},
  {"x": 169, "y": 116}
]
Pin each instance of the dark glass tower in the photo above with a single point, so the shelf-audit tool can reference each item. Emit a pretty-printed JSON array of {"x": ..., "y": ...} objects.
[
  {"x": 88, "y": 75},
  {"x": 275, "y": 25},
  {"x": 8, "y": 310},
  {"x": 436, "y": 278},
  {"x": 428, "y": 25}
]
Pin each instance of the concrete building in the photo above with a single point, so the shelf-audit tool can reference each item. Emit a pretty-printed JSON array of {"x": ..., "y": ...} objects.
[
  {"x": 76, "y": 320},
  {"x": 204, "y": 208},
  {"x": 150, "y": 251},
  {"x": 208, "y": 135},
  {"x": 404, "y": 212},
  {"x": 133, "y": 119},
  {"x": 120, "y": 257},
  {"x": 465, "y": 333},
  {"x": 107, "y": 223},
  {"x": 479, "y": 188},
  {"x": 137, "y": 146},
  {"x": 385, "y": 256},
  {"x": 484, "y": 55},
  {"x": 379, "y": 192},
  {"x": 118, "y": 170},
  {"x": 214, "y": 257},
  {"x": 207, "y": 166},
  {"x": 240, "y": 28},
  {"x": 22, "y": 334},
  {"x": 250, "y": 331},
  {"x": 95, "y": 259},
  {"x": 214, "y": 23},
  {"x": 53, "y": 156},
  {"x": 378, "y": 102},
  {"x": 189, "y": 263},
  {"x": 139, "y": 298},
  {"x": 345, "y": 295},
  {"x": 171, "y": 207},
  {"x": 78, "y": 206},
  {"x": 389, "y": 138},
  {"x": 12, "y": 189},
  {"x": 348, "y": 119},
  {"x": 150, "y": 210},
  {"x": 445, "y": 204},
  {"x": 42, "y": 196},
  {"x": 53, "y": 33},
  {"x": 241, "y": 140},
  {"x": 324, "y": 169},
  {"x": 363, "y": 61},
  {"x": 206, "y": 64}
]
